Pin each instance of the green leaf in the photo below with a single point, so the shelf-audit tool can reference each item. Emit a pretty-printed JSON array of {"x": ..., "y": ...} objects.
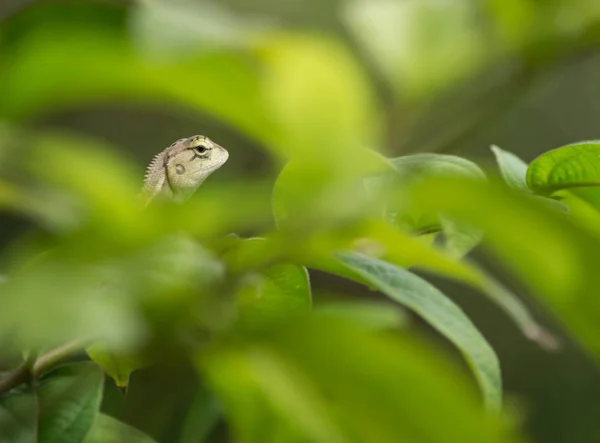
[
  {"x": 574, "y": 167},
  {"x": 422, "y": 47},
  {"x": 440, "y": 312},
  {"x": 18, "y": 416},
  {"x": 118, "y": 366},
  {"x": 60, "y": 410},
  {"x": 329, "y": 197},
  {"x": 329, "y": 104},
  {"x": 458, "y": 239},
  {"x": 277, "y": 293},
  {"x": 561, "y": 268},
  {"x": 370, "y": 314},
  {"x": 69, "y": 400},
  {"x": 201, "y": 418},
  {"x": 380, "y": 239},
  {"x": 326, "y": 380},
  {"x": 107, "y": 429},
  {"x": 512, "y": 168},
  {"x": 80, "y": 66},
  {"x": 427, "y": 164},
  {"x": 170, "y": 30},
  {"x": 571, "y": 166}
]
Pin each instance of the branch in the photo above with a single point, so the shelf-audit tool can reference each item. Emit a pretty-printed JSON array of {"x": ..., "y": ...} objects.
[{"x": 32, "y": 368}]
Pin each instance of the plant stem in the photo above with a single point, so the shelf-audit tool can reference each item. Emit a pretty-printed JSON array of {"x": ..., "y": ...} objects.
[{"x": 33, "y": 368}]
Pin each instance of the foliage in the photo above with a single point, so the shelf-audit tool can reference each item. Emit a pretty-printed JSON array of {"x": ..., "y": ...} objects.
[{"x": 135, "y": 286}]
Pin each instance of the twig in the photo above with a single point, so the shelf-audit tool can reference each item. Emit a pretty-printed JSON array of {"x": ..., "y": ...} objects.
[{"x": 32, "y": 368}]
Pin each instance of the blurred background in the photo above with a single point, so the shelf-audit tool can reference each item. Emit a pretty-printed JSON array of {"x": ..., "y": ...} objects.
[{"x": 523, "y": 75}]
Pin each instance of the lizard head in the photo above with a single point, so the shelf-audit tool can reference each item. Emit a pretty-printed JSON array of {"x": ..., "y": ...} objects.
[{"x": 190, "y": 161}]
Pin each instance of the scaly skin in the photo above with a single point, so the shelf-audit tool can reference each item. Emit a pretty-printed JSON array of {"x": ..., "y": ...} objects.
[{"x": 176, "y": 172}]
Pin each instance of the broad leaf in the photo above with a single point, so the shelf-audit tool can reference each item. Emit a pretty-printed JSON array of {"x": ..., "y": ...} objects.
[
  {"x": 574, "y": 167},
  {"x": 69, "y": 400},
  {"x": 60, "y": 410},
  {"x": 18, "y": 416},
  {"x": 440, "y": 312},
  {"x": 323, "y": 380},
  {"x": 561, "y": 268},
  {"x": 570, "y": 166}
]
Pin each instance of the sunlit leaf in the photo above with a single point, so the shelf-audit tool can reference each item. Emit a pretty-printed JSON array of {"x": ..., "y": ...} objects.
[
  {"x": 320, "y": 98},
  {"x": 571, "y": 166},
  {"x": 440, "y": 312},
  {"x": 574, "y": 167}
]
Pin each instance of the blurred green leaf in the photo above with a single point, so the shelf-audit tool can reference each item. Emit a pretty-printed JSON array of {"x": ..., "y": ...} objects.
[
  {"x": 370, "y": 314},
  {"x": 512, "y": 168},
  {"x": 109, "y": 430},
  {"x": 99, "y": 63},
  {"x": 421, "y": 46},
  {"x": 325, "y": 200},
  {"x": 201, "y": 418},
  {"x": 529, "y": 26},
  {"x": 458, "y": 239},
  {"x": 320, "y": 98},
  {"x": 381, "y": 240},
  {"x": 440, "y": 312},
  {"x": 104, "y": 183},
  {"x": 69, "y": 400},
  {"x": 333, "y": 381},
  {"x": 71, "y": 300},
  {"x": 179, "y": 28},
  {"x": 119, "y": 367},
  {"x": 18, "y": 416},
  {"x": 414, "y": 168},
  {"x": 279, "y": 292},
  {"x": 514, "y": 173},
  {"x": 561, "y": 266}
]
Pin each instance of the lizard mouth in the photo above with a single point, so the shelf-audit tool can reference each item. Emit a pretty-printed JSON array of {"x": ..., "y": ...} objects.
[{"x": 223, "y": 153}]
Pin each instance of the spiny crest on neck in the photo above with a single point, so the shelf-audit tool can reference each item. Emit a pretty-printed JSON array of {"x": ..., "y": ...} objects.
[{"x": 156, "y": 164}]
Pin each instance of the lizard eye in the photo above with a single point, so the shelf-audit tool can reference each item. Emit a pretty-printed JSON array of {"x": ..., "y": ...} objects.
[
  {"x": 201, "y": 149},
  {"x": 180, "y": 169}
]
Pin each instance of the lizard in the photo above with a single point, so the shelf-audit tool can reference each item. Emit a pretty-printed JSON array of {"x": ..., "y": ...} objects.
[{"x": 176, "y": 172}]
